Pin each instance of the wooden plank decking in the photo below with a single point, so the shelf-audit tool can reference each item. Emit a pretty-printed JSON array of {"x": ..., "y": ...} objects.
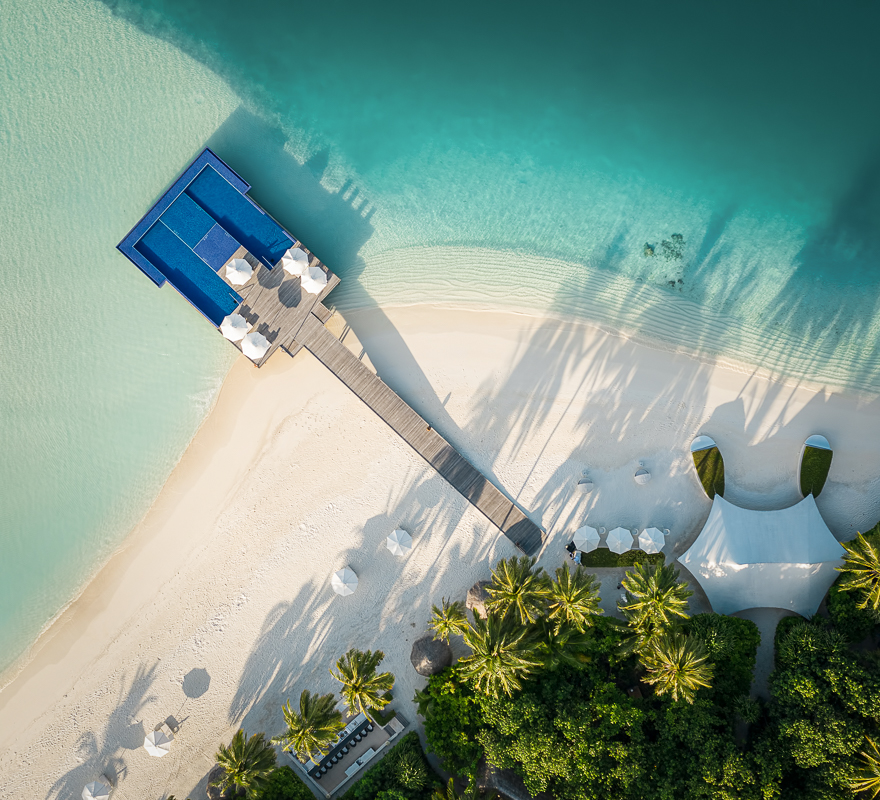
[{"x": 429, "y": 444}]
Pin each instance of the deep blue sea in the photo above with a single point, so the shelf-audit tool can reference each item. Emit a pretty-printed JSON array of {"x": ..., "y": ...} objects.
[{"x": 703, "y": 175}]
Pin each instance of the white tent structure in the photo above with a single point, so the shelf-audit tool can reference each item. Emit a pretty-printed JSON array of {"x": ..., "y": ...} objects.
[
  {"x": 234, "y": 327},
  {"x": 254, "y": 346},
  {"x": 158, "y": 743},
  {"x": 344, "y": 582},
  {"x": 239, "y": 272},
  {"x": 294, "y": 261},
  {"x": 620, "y": 540},
  {"x": 314, "y": 280},
  {"x": 764, "y": 559},
  {"x": 586, "y": 539},
  {"x": 96, "y": 790},
  {"x": 651, "y": 540},
  {"x": 399, "y": 542}
]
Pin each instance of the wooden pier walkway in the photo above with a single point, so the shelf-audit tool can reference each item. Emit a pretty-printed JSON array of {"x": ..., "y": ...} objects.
[{"x": 429, "y": 444}]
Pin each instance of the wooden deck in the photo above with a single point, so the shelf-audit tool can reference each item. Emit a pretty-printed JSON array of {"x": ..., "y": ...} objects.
[{"x": 429, "y": 444}]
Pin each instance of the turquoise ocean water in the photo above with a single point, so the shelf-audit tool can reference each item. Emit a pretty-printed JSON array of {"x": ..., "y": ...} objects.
[{"x": 408, "y": 145}]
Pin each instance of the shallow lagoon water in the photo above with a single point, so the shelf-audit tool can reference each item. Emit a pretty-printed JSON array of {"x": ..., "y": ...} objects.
[{"x": 409, "y": 146}]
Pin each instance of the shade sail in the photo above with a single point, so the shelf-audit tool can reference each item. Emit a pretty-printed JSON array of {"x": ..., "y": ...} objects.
[
  {"x": 239, "y": 272},
  {"x": 234, "y": 327},
  {"x": 157, "y": 743},
  {"x": 399, "y": 542},
  {"x": 294, "y": 261},
  {"x": 314, "y": 280},
  {"x": 254, "y": 346},
  {"x": 764, "y": 559},
  {"x": 586, "y": 539},
  {"x": 620, "y": 540},
  {"x": 96, "y": 790},
  {"x": 651, "y": 540},
  {"x": 344, "y": 582}
]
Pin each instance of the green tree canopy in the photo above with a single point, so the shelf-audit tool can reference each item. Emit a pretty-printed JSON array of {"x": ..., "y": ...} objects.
[
  {"x": 449, "y": 620},
  {"x": 573, "y": 597},
  {"x": 362, "y": 687},
  {"x": 518, "y": 588},
  {"x": 314, "y": 728},
  {"x": 246, "y": 764}
]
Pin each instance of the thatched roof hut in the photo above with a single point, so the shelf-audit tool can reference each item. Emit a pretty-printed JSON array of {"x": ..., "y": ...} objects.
[
  {"x": 430, "y": 656},
  {"x": 477, "y": 597}
]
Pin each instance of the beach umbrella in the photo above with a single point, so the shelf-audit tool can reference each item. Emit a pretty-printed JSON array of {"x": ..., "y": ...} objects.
[
  {"x": 254, "y": 346},
  {"x": 642, "y": 476},
  {"x": 651, "y": 540},
  {"x": 344, "y": 582},
  {"x": 158, "y": 743},
  {"x": 96, "y": 790},
  {"x": 620, "y": 540},
  {"x": 239, "y": 272},
  {"x": 586, "y": 539},
  {"x": 314, "y": 280},
  {"x": 294, "y": 261},
  {"x": 399, "y": 542},
  {"x": 234, "y": 327}
]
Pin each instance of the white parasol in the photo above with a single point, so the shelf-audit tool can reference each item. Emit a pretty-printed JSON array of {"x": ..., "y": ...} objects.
[
  {"x": 234, "y": 327},
  {"x": 158, "y": 743},
  {"x": 344, "y": 582},
  {"x": 620, "y": 540},
  {"x": 254, "y": 346},
  {"x": 294, "y": 261},
  {"x": 314, "y": 280},
  {"x": 399, "y": 542},
  {"x": 586, "y": 539},
  {"x": 651, "y": 540},
  {"x": 239, "y": 272}
]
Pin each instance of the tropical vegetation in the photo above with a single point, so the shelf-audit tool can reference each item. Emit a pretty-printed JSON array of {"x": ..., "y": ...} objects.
[
  {"x": 246, "y": 764},
  {"x": 363, "y": 688},
  {"x": 710, "y": 470},
  {"x": 815, "y": 465},
  {"x": 403, "y": 774},
  {"x": 313, "y": 728}
]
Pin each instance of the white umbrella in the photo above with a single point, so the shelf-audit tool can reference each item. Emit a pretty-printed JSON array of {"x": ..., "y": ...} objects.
[
  {"x": 239, "y": 272},
  {"x": 96, "y": 790},
  {"x": 234, "y": 327},
  {"x": 399, "y": 542},
  {"x": 642, "y": 476},
  {"x": 314, "y": 280},
  {"x": 254, "y": 346},
  {"x": 294, "y": 261},
  {"x": 620, "y": 540},
  {"x": 586, "y": 539},
  {"x": 651, "y": 540},
  {"x": 344, "y": 582},
  {"x": 158, "y": 743}
]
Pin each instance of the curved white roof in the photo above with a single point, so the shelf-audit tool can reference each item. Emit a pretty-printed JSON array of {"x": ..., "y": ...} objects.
[{"x": 764, "y": 559}]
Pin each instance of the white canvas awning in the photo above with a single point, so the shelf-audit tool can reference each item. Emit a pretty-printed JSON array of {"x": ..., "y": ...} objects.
[
  {"x": 314, "y": 280},
  {"x": 399, "y": 542},
  {"x": 764, "y": 559},
  {"x": 238, "y": 272},
  {"x": 234, "y": 327},
  {"x": 96, "y": 790},
  {"x": 344, "y": 582},
  {"x": 586, "y": 539},
  {"x": 254, "y": 346},
  {"x": 620, "y": 540},
  {"x": 294, "y": 261},
  {"x": 651, "y": 540},
  {"x": 158, "y": 743}
]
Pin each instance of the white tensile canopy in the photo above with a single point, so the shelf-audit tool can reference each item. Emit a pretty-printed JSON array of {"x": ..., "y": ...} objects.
[
  {"x": 158, "y": 743},
  {"x": 239, "y": 272},
  {"x": 294, "y": 261},
  {"x": 399, "y": 542},
  {"x": 96, "y": 790},
  {"x": 586, "y": 539},
  {"x": 314, "y": 280},
  {"x": 344, "y": 582},
  {"x": 234, "y": 327},
  {"x": 254, "y": 346},
  {"x": 651, "y": 540},
  {"x": 620, "y": 540},
  {"x": 764, "y": 559}
]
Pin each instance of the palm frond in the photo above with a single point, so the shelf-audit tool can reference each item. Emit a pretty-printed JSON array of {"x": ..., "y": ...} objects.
[
  {"x": 246, "y": 764},
  {"x": 517, "y": 587},
  {"x": 362, "y": 688},
  {"x": 573, "y": 597},
  {"x": 449, "y": 620},
  {"x": 867, "y": 779},
  {"x": 655, "y": 597},
  {"x": 677, "y": 665},
  {"x": 861, "y": 568}
]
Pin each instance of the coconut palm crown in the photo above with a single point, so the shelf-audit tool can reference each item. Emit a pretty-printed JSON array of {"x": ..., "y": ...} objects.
[
  {"x": 503, "y": 652},
  {"x": 517, "y": 587},
  {"x": 362, "y": 688},
  {"x": 246, "y": 764},
  {"x": 867, "y": 779},
  {"x": 313, "y": 729},
  {"x": 449, "y": 620},
  {"x": 573, "y": 597},
  {"x": 861, "y": 569},
  {"x": 655, "y": 598},
  {"x": 677, "y": 665}
]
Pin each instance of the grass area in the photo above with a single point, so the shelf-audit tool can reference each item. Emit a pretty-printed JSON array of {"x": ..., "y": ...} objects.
[
  {"x": 814, "y": 470},
  {"x": 710, "y": 468},
  {"x": 603, "y": 557},
  {"x": 383, "y": 718}
]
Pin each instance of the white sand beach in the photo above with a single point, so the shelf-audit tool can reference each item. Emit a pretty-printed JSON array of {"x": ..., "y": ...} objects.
[{"x": 218, "y": 606}]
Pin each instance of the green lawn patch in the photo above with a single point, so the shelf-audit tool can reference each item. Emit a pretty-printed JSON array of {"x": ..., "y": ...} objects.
[
  {"x": 383, "y": 718},
  {"x": 815, "y": 464},
  {"x": 603, "y": 557},
  {"x": 710, "y": 469}
]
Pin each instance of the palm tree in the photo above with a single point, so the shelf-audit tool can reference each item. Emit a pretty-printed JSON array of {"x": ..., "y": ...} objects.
[
  {"x": 677, "y": 665},
  {"x": 362, "y": 688},
  {"x": 655, "y": 598},
  {"x": 862, "y": 570},
  {"x": 867, "y": 779},
  {"x": 518, "y": 587},
  {"x": 563, "y": 643},
  {"x": 246, "y": 764},
  {"x": 504, "y": 652},
  {"x": 574, "y": 597},
  {"x": 449, "y": 620},
  {"x": 314, "y": 728}
]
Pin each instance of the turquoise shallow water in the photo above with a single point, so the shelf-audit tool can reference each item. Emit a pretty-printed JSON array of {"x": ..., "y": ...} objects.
[{"x": 401, "y": 141}]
